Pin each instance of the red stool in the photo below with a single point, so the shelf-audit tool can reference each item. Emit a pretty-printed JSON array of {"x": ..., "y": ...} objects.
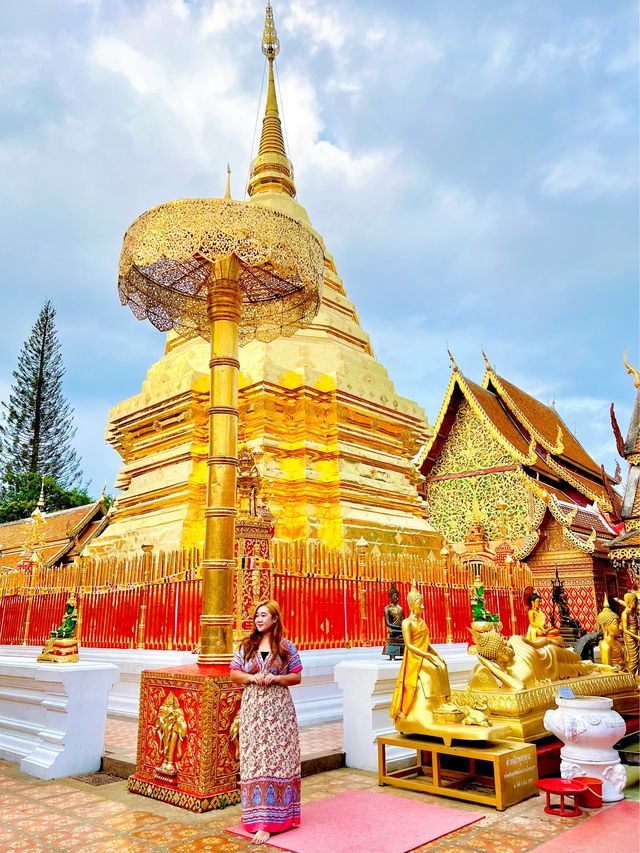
[{"x": 564, "y": 788}]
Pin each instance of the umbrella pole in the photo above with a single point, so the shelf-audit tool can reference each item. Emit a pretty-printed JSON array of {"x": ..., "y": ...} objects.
[{"x": 223, "y": 306}]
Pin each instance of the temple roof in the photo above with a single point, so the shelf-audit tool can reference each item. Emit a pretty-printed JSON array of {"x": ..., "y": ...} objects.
[
  {"x": 532, "y": 434},
  {"x": 540, "y": 422},
  {"x": 65, "y": 534}
]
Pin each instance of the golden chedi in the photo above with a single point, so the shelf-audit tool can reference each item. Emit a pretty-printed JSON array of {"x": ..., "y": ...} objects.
[{"x": 334, "y": 441}]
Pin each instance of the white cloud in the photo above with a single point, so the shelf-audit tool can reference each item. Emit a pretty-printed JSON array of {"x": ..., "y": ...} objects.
[{"x": 588, "y": 172}]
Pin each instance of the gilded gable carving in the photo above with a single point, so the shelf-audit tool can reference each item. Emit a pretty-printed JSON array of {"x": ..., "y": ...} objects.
[{"x": 469, "y": 447}]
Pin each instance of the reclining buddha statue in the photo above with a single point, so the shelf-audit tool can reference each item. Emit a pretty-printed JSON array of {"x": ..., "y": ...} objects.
[{"x": 519, "y": 663}]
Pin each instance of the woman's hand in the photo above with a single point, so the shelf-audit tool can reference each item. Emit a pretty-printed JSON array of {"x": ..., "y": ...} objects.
[{"x": 270, "y": 678}]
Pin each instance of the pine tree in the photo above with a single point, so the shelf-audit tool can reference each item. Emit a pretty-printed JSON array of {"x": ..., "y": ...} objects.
[{"x": 37, "y": 429}]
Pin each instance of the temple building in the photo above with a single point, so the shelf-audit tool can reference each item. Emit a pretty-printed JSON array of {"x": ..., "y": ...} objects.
[
  {"x": 64, "y": 535},
  {"x": 624, "y": 552},
  {"x": 502, "y": 466},
  {"x": 333, "y": 440}
]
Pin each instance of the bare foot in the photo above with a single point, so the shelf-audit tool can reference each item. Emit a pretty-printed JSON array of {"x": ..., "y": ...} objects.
[{"x": 261, "y": 837}]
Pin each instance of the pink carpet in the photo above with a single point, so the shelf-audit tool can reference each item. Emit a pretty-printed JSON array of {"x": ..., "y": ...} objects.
[
  {"x": 367, "y": 821},
  {"x": 607, "y": 828}
]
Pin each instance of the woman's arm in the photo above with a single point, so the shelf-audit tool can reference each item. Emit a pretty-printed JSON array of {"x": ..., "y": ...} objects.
[
  {"x": 241, "y": 677},
  {"x": 288, "y": 680}
]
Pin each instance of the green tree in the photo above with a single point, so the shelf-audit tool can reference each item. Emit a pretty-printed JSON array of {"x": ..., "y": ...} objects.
[
  {"x": 21, "y": 493},
  {"x": 36, "y": 430}
]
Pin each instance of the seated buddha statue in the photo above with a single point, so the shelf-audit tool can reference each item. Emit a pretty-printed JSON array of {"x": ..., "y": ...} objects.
[
  {"x": 611, "y": 649},
  {"x": 517, "y": 663},
  {"x": 62, "y": 645},
  {"x": 541, "y": 631},
  {"x": 423, "y": 681}
]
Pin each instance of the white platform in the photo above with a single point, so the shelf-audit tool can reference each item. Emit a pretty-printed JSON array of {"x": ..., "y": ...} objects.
[
  {"x": 53, "y": 716},
  {"x": 367, "y": 688},
  {"x": 318, "y": 699}
]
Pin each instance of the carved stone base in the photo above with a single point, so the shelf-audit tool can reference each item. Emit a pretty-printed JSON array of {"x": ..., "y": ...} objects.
[
  {"x": 523, "y": 710},
  {"x": 205, "y": 759}
]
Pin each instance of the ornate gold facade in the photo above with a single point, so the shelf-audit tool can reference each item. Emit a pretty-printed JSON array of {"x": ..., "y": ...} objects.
[{"x": 333, "y": 440}]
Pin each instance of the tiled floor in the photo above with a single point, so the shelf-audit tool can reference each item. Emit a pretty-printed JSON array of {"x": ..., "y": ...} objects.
[
  {"x": 68, "y": 816},
  {"x": 121, "y": 736}
]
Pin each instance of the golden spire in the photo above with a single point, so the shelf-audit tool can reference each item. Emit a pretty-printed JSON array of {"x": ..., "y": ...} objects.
[
  {"x": 631, "y": 370},
  {"x": 227, "y": 189},
  {"x": 271, "y": 171}
]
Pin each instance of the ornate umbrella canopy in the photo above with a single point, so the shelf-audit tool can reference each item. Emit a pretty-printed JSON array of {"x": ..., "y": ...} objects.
[{"x": 166, "y": 267}]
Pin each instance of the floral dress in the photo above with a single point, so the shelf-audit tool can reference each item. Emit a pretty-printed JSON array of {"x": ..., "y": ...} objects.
[{"x": 269, "y": 746}]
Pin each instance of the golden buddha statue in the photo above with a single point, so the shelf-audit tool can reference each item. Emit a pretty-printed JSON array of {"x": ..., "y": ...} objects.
[
  {"x": 420, "y": 703},
  {"x": 423, "y": 680},
  {"x": 518, "y": 663},
  {"x": 630, "y": 634},
  {"x": 541, "y": 631},
  {"x": 62, "y": 645},
  {"x": 171, "y": 727},
  {"x": 611, "y": 649}
]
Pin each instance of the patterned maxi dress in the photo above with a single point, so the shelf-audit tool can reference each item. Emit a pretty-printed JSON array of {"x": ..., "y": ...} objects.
[{"x": 269, "y": 747}]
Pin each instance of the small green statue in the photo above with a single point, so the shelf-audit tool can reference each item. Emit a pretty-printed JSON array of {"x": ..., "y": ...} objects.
[
  {"x": 62, "y": 645},
  {"x": 478, "y": 605}
]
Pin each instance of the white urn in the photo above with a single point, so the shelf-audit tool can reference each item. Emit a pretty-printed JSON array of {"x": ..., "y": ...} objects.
[{"x": 588, "y": 727}]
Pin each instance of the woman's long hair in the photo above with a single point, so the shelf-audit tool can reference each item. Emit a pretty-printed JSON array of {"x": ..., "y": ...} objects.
[{"x": 278, "y": 649}]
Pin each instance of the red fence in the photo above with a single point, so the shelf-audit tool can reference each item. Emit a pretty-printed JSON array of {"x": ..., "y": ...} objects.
[{"x": 319, "y": 613}]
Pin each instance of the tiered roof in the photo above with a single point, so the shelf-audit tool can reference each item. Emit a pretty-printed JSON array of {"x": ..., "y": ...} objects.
[
  {"x": 551, "y": 460},
  {"x": 533, "y": 434},
  {"x": 627, "y": 545},
  {"x": 65, "y": 535}
]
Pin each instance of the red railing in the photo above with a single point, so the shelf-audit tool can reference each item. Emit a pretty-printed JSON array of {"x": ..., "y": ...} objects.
[{"x": 320, "y": 612}]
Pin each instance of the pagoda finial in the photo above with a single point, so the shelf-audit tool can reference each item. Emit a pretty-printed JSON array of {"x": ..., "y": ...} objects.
[
  {"x": 40, "y": 504},
  {"x": 270, "y": 41},
  {"x": 227, "y": 189},
  {"x": 453, "y": 361},
  {"x": 271, "y": 171},
  {"x": 631, "y": 370},
  {"x": 486, "y": 360}
]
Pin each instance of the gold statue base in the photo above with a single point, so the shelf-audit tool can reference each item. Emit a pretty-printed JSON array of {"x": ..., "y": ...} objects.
[
  {"x": 449, "y": 732},
  {"x": 523, "y": 710},
  {"x": 461, "y": 772},
  {"x": 57, "y": 650}
]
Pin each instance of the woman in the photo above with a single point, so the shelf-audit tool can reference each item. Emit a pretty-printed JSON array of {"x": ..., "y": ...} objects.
[{"x": 269, "y": 745}]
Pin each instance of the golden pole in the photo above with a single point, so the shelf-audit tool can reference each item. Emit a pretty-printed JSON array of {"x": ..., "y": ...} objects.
[
  {"x": 444, "y": 553},
  {"x": 223, "y": 306},
  {"x": 144, "y": 599},
  {"x": 512, "y": 611}
]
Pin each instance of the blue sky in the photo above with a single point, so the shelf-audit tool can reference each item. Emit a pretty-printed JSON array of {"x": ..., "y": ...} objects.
[{"x": 473, "y": 167}]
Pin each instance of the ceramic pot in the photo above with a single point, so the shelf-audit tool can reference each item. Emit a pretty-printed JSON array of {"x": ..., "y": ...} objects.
[{"x": 588, "y": 727}]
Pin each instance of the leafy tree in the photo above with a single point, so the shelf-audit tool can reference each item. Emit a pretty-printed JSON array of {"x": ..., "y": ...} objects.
[
  {"x": 37, "y": 429},
  {"x": 21, "y": 493}
]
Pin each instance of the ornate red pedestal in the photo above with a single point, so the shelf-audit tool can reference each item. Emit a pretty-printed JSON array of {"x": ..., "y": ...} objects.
[{"x": 203, "y": 774}]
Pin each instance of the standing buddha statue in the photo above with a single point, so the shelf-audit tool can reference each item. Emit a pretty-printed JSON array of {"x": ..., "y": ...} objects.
[
  {"x": 629, "y": 625},
  {"x": 611, "y": 649}
]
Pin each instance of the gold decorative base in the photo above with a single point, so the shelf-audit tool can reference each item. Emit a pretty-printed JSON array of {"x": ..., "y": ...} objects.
[
  {"x": 183, "y": 799},
  {"x": 201, "y": 773},
  {"x": 449, "y": 732},
  {"x": 523, "y": 710},
  {"x": 58, "y": 650}
]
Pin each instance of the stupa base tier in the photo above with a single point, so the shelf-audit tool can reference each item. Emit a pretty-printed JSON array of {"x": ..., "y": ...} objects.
[
  {"x": 523, "y": 710},
  {"x": 186, "y": 754}
]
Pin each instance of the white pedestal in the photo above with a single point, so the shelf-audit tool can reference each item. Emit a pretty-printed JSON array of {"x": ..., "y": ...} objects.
[
  {"x": 367, "y": 687},
  {"x": 53, "y": 716}
]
